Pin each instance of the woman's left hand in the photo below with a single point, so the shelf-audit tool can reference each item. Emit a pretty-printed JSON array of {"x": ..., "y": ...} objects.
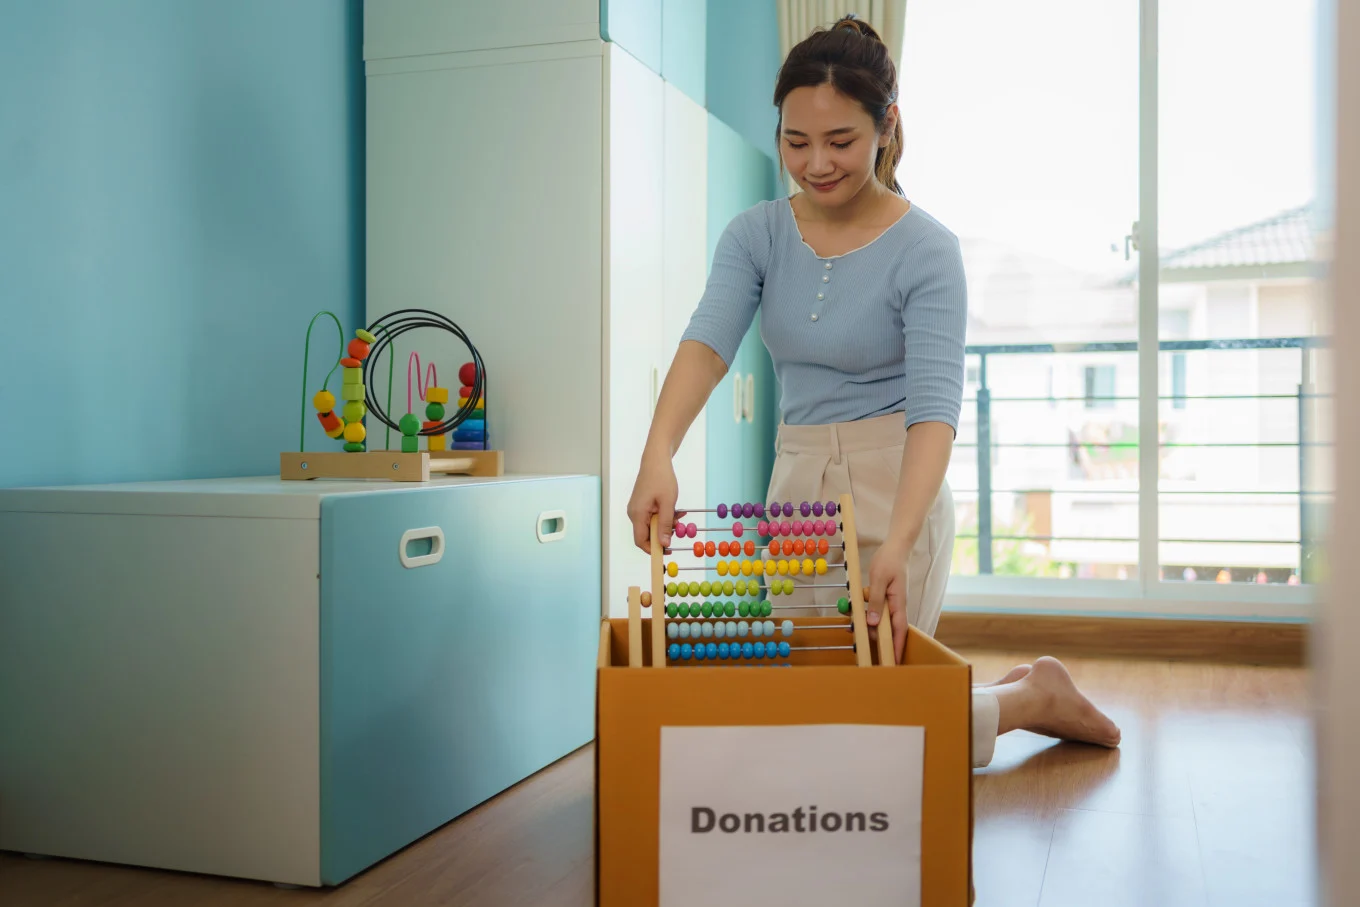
[{"x": 887, "y": 580}]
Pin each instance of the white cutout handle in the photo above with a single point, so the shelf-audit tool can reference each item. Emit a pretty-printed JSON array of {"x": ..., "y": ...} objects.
[
  {"x": 737, "y": 407},
  {"x": 436, "y": 537},
  {"x": 552, "y": 526},
  {"x": 748, "y": 405}
]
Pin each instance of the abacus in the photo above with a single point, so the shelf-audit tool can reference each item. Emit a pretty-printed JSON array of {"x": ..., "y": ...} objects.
[
  {"x": 470, "y": 455},
  {"x": 798, "y": 541}
]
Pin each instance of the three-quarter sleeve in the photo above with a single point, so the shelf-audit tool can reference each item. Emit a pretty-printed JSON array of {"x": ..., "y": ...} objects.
[
  {"x": 732, "y": 294},
  {"x": 934, "y": 323}
]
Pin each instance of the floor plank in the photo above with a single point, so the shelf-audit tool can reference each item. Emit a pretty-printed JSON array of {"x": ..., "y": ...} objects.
[{"x": 1208, "y": 802}]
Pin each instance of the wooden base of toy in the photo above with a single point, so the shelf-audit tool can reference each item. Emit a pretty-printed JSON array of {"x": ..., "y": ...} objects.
[{"x": 389, "y": 465}]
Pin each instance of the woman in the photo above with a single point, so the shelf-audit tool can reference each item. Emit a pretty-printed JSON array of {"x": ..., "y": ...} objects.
[{"x": 863, "y": 307}]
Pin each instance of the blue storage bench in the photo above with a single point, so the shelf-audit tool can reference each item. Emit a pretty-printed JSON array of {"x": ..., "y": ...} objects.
[{"x": 286, "y": 681}]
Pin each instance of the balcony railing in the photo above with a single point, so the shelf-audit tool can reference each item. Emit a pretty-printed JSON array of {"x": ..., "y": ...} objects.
[{"x": 1308, "y": 498}]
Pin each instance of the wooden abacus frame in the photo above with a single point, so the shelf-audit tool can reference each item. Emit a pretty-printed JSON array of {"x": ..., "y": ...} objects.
[{"x": 858, "y": 605}]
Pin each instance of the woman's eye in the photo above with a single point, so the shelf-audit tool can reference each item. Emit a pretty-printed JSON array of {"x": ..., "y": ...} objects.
[
  {"x": 840, "y": 146},
  {"x": 797, "y": 144}
]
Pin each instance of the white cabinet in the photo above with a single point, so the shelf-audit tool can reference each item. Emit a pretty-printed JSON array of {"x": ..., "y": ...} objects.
[{"x": 551, "y": 201}]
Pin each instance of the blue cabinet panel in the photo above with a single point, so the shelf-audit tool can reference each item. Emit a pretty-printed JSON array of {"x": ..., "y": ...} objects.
[
  {"x": 684, "y": 37},
  {"x": 634, "y": 25},
  {"x": 445, "y": 683}
]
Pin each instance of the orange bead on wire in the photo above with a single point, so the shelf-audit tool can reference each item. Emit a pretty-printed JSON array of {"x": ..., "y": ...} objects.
[
  {"x": 750, "y": 548},
  {"x": 698, "y": 549},
  {"x": 711, "y": 548}
]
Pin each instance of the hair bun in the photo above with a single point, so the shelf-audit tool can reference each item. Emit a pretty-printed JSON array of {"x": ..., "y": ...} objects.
[{"x": 851, "y": 22}]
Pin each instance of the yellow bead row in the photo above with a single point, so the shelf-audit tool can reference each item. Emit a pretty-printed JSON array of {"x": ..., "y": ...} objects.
[{"x": 807, "y": 567}]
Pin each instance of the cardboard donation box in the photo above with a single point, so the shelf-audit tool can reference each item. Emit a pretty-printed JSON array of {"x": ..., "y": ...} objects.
[{"x": 743, "y": 759}]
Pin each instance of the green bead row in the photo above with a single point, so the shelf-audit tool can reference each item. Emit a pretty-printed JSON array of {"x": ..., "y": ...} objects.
[
  {"x": 719, "y": 609},
  {"x": 715, "y": 587}
]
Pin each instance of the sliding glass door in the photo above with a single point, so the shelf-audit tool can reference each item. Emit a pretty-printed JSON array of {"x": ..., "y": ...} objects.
[{"x": 1144, "y": 416}]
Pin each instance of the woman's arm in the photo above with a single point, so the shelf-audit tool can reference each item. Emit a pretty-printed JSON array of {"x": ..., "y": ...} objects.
[
  {"x": 925, "y": 460},
  {"x": 693, "y": 374}
]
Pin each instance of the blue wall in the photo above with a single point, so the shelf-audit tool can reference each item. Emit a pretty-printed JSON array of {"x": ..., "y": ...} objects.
[
  {"x": 743, "y": 61},
  {"x": 181, "y": 189}
]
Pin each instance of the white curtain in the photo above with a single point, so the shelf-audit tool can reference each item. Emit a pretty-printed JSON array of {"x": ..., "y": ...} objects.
[{"x": 797, "y": 19}]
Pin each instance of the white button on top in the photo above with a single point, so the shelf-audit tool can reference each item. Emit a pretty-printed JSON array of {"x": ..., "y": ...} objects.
[
  {"x": 828, "y": 266},
  {"x": 814, "y": 316},
  {"x": 821, "y": 295},
  {"x": 826, "y": 278}
]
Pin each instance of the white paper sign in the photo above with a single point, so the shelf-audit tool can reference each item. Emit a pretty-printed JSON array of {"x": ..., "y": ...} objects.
[{"x": 791, "y": 815}]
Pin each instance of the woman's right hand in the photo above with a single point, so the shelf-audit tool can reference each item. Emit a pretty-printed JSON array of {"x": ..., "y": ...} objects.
[{"x": 654, "y": 492}]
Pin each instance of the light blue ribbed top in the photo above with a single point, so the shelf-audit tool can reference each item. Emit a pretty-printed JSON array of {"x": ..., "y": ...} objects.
[{"x": 877, "y": 330}]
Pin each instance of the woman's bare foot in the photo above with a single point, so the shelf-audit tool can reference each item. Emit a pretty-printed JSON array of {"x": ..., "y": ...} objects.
[
  {"x": 1011, "y": 676},
  {"x": 1046, "y": 701}
]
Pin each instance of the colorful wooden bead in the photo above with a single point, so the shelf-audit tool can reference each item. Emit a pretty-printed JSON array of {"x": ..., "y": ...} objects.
[
  {"x": 646, "y": 599},
  {"x": 787, "y": 627},
  {"x": 364, "y": 335},
  {"x": 807, "y": 527},
  {"x": 823, "y": 546},
  {"x": 352, "y": 375},
  {"x": 797, "y": 526},
  {"x": 354, "y": 447},
  {"x": 467, "y": 373},
  {"x": 748, "y": 568},
  {"x": 784, "y": 649},
  {"x": 352, "y": 391},
  {"x": 808, "y": 567},
  {"x": 805, "y": 509},
  {"x": 672, "y": 589},
  {"x": 673, "y": 651},
  {"x": 722, "y": 568},
  {"x": 843, "y": 605},
  {"x": 763, "y": 528},
  {"x": 738, "y": 529},
  {"x": 748, "y": 510},
  {"x": 749, "y": 548},
  {"x": 354, "y": 431},
  {"x": 465, "y": 434},
  {"x": 785, "y": 528},
  {"x": 821, "y": 566},
  {"x": 436, "y": 442},
  {"x": 358, "y": 349},
  {"x": 410, "y": 444},
  {"x": 774, "y": 508},
  {"x": 437, "y": 395},
  {"x": 324, "y": 401},
  {"x": 672, "y": 568},
  {"x": 729, "y": 587},
  {"x": 723, "y": 549},
  {"x": 671, "y": 609},
  {"x": 694, "y": 588},
  {"x": 409, "y": 425},
  {"x": 331, "y": 423},
  {"x": 705, "y": 588},
  {"x": 710, "y": 549},
  {"x": 349, "y": 362},
  {"x": 684, "y": 609},
  {"x": 435, "y": 413},
  {"x": 685, "y": 651},
  {"x": 355, "y": 411},
  {"x": 830, "y": 509},
  {"x": 672, "y": 630},
  {"x": 770, "y": 568},
  {"x": 816, "y": 508}
]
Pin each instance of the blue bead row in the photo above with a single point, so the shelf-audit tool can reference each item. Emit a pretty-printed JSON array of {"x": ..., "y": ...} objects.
[
  {"x": 685, "y": 630},
  {"x": 721, "y": 651}
]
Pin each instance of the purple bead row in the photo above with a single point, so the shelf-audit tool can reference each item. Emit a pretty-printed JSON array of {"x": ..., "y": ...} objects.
[{"x": 776, "y": 509}]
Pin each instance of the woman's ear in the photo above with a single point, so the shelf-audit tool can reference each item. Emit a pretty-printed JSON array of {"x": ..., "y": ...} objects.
[{"x": 889, "y": 124}]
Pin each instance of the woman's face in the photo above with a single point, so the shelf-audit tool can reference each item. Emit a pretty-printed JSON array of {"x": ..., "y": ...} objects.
[{"x": 829, "y": 144}]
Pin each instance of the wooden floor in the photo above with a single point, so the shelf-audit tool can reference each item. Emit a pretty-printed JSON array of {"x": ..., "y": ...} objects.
[{"x": 1207, "y": 802}]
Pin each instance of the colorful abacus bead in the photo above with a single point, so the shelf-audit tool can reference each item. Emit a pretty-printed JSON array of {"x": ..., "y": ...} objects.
[{"x": 324, "y": 401}]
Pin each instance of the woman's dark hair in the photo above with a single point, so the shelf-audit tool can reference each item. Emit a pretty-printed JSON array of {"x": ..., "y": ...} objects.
[{"x": 853, "y": 58}]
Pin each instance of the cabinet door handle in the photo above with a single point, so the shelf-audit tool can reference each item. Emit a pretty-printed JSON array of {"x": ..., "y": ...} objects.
[
  {"x": 749, "y": 404},
  {"x": 552, "y": 526},
  {"x": 736, "y": 397},
  {"x": 414, "y": 553}
]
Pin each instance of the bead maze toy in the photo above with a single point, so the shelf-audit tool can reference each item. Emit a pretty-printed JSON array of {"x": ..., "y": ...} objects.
[
  {"x": 687, "y": 658},
  {"x": 471, "y": 454}
]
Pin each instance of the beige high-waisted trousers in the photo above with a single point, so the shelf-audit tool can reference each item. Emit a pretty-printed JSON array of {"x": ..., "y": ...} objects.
[{"x": 864, "y": 459}]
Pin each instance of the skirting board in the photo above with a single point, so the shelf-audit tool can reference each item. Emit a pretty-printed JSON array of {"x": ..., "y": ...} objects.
[{"x": 1238, "y": 642}]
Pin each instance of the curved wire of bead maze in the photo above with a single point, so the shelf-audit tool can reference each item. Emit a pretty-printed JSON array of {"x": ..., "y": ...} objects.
[{"x": 655, "y": 601}]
